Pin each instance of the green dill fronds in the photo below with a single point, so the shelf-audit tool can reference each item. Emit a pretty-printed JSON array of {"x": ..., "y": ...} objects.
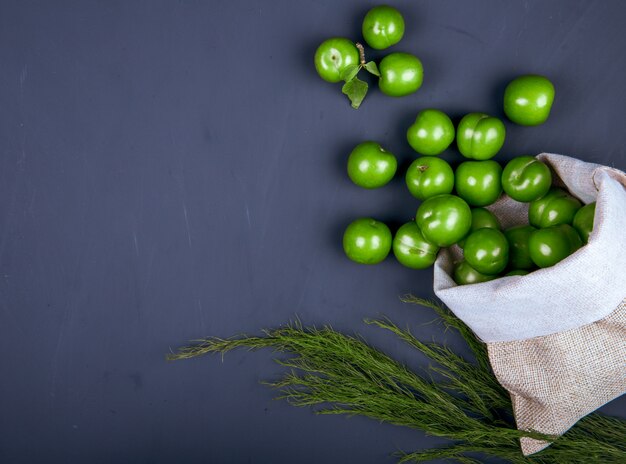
[{"x": 342, "y": 374}]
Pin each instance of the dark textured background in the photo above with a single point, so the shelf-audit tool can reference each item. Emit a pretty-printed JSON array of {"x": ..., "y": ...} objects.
[{"x": 170, "y": 170}]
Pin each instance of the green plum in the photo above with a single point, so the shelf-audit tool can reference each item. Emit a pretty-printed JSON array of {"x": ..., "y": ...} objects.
[
  {"x": 572, "y": 236},
  {"x": 383, "y": 26},
  {"x": 412, "y": 249},
  {"x": 431, "y": 133},
  {"x": 367, "y": 241},
  {"x": 550, "y": 245},
  {"x": 583, "y": 221},
  {"x": 516, "y": 272},
  {"x": 465, "y": 274},
  {"x": 400, "y": 74},
  {"x": 487, "y": 251},
  {"x": 333, "y": 56},
  {"x": 528, "y": 100},
  {"x": 519, "y": 255},
  {"x": 482, "y": 219},
  {"x": 525, "y": 179},
  {"x": 444, "y": 219},
  {"x": 480, "y": 136},
  {"x": 429, "y": 176},
  {"x": 478, "y": 182},
  {"x": 371, "y": 166},
  {"x": 554, "y": 208}
]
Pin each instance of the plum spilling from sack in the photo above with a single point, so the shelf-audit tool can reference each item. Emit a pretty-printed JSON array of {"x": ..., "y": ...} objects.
[
  {"x": 453, "y": 212},
  {"x": 454, "y": 202}
]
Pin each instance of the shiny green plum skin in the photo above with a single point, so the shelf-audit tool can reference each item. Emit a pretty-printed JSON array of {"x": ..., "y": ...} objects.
[
  {"x": 554, "y": 208},
  {"x": 444, "y": 219},
  {"x": 367, "y": 241},
  {"x": 482, "y": 219},
  {"x": 383, "y": 26},
  {"x": 553, "y": 244},
  {"x": 371, "y": 166},
  {"x": 429, "y": 176},
  {"x": 333, "y": 56},
  {"x": 411, "y": 249},
  {"x": 516, "y": 272},
  {"x": 431, "y": 133},
  {"x": 464, "y": 274},
  {"x": 519, "y": 254},
  {"x": 528, "y": 100},
  {"x": 400, "y": 74},
  {"x": 525, "y": 179},
  {"x": 583, "y": 221},
  {"x": 574, "y": 239},
  {"x": 487, "y": 251},
  {"x": 480, "y": 136},
  {"x": 478, "y": 182}
]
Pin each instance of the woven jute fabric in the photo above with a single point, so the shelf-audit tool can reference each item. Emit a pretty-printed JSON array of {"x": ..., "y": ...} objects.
[
  {"x": 557, "y": 379},
  {"x": 556, "y": 341}
]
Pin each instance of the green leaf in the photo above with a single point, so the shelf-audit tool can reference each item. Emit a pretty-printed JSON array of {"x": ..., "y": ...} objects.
[
  {"x": 349, "y": 72},
  {"x": 372, "y": 68},
  {"x": 356, "y": 90}
]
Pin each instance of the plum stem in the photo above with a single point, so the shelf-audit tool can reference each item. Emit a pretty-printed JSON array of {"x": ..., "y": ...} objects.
[{"x": 361, "y": 53}]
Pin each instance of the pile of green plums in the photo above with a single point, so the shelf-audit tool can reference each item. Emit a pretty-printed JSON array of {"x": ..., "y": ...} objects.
[
  {"x": 399, "y": 73},
  {"x": 454, "y": 202}
]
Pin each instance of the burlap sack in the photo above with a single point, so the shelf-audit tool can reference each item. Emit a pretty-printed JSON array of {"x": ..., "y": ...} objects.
[{"x": 556, "y": 337}]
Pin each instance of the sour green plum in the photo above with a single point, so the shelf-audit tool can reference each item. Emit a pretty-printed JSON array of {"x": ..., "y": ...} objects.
[
  {"x": 444, "y": 219},
  {"x": 431, "y": 133},
  {"x": 411, "y": 249},
  {"x": 583, "y": 221},
  {"x": 487, "y": 251},
  {"x": 516, "y": 272},
  {"x": 429, "y": 176},
  {"x": 528, "y": 100},
  {"x": 371, "y": 166},
  {"x": 367, "y": 241},
  {"x": 519, "y": 254},
  {"x": 478, "y": 182},
  {"x": 482, "y": 219},
  {"x": 480, "y": 136},
  {"x": 400, "y": 74},
  {"x": 550, "y": 245},
  {"x": 525, "y": 179},
  {"x": 465, "y": 274},
  {"x": 333, "y": 56},
  {"x": 554, "y": 208},
  {"x": 383, "y": 26}
]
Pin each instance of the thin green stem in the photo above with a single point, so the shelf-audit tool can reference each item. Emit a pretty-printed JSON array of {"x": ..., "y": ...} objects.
[{"x": 341, "y": 374}]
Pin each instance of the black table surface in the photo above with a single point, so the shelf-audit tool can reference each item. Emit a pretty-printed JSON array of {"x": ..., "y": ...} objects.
[{"x": 176, "y": 169}]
